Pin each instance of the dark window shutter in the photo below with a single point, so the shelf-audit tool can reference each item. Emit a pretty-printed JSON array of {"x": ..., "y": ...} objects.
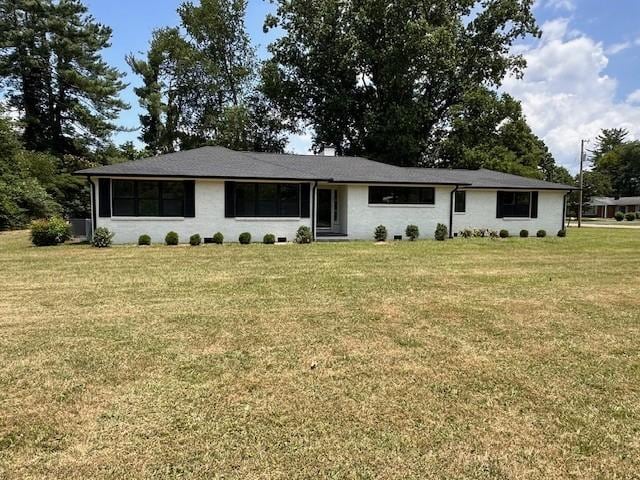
[
  {"x": 189, "y": 198},
  {"x": 499, "y": 202},
  {"x": 534, "y": 204},
  {"x": 229, "y": 199},
  {"x": 304, "y": 200},
  {"x": 104, "y": 194}
]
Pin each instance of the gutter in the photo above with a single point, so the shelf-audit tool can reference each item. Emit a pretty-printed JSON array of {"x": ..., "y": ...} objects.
[
  {"x": 252, "y": 179},
  {"x": 93, "y": 203},
  {"x": 451, "y": 210},
  {"x": 82, "y": 173}
]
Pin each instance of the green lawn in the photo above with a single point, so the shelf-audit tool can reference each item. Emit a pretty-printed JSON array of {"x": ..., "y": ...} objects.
[{"x": 459, "y": 359}]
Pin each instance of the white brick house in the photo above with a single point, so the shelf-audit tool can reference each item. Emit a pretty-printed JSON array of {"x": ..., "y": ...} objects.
[{"x": 213, "y": 189}]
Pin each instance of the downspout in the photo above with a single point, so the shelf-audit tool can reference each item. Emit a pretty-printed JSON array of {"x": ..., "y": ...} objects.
[
  {"x": 313, "y": 210},
  {"x": 93, "y": 203},
  {"x": 453, "y": 192}
]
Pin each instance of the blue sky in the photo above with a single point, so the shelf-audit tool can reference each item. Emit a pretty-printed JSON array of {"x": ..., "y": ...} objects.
[{"x": 583, "y": 75}]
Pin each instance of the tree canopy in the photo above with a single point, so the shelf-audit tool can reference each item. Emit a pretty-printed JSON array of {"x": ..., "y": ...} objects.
[
  {"x": 408, "y": 83},
  {"x": 381, "y": 79},
  {"x": 202, "y": 84},
  {"x": 52, "y": 66},
  {"x": 488, "y": 130},
  {"x": 615, "y": 165},
  {"x": 67, "y": 99}
]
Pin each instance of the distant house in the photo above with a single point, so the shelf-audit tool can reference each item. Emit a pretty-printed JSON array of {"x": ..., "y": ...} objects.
[
  {"x": 606, "y": 207},
  {"x": 213, "y": 189}
]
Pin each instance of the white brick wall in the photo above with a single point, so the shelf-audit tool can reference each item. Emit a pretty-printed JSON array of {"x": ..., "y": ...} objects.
[
  {"x": 361, "y": 220},
  {"x": 481, "y": 213},
  {"x": 209, "y": 203}
]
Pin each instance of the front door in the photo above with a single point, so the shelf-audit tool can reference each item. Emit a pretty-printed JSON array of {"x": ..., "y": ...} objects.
[{"x": 324, "y": 207}]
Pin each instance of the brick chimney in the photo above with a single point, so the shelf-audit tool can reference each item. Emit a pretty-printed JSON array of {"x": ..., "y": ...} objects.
[{"x": 328, "y": 151}]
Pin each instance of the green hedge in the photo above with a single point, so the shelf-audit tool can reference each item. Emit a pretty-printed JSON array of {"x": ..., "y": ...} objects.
[{"x": 51, "y": 231}]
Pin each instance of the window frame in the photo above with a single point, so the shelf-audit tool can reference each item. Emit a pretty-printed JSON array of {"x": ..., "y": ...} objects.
[
  {"x": 463, "y": 194},
  {"x": 393, "y": 190},
  {"x": 515, "y": 205},
  {"x": 279, "y": 204},
  {"x": 136, "y": 198}
]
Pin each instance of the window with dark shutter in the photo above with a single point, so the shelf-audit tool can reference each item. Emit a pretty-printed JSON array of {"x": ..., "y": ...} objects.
[
  {"x": 229, "y": 199},
  {"x": 251, "y": 199},
  {"x": 460, "y": 201},
  {"x": 514, "y": 204},
  {"x": 189, "y": 198},
  {"x": 150, "y": 198},
  {"x": 392, "y": 195},
  {"x": 534, "y": 204},
  {"x": 104, "y": 197},
  {"x": 305, "y": 200}
]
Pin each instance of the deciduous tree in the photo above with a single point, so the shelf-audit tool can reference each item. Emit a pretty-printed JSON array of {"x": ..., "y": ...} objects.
[{"x": 380, "y": 78}]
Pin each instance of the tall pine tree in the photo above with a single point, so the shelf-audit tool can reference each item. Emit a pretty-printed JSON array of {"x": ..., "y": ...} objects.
[{"x": 52, "y": 67}]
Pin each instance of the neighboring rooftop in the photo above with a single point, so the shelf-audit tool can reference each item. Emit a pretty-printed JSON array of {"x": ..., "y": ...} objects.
[
  {"x": 615, "y": 201},
  {"x": 220, "y": 162}
]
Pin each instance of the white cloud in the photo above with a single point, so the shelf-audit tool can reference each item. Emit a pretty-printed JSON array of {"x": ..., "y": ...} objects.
[
  {"x": 568, "y": 5},
  {"x": 634, "y": 97},
  {"x": 617, "y": 48},
  {"x": 565, "y": 93}
]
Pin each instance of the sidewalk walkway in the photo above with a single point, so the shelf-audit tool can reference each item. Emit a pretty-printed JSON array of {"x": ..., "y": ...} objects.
[{"x": 632, "y": 225}]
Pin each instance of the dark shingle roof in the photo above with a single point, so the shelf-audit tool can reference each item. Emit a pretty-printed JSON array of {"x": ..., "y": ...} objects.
[
  {"x": 615, "y": 201},
  {"x": 219, "y": 162},
  {"x": 483, "y": 178}
]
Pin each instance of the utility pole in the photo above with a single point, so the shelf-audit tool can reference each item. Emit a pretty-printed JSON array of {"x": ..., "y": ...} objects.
[{"x": 580, "y": 193}]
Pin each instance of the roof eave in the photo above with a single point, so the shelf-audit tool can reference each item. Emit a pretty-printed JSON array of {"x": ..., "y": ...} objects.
[
  {"x": 561, "y": 188},
  {"x": 217, "y": 177}
]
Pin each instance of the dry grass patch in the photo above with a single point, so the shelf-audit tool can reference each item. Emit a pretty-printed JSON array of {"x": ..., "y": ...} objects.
[{"x": 463, "y": 359}]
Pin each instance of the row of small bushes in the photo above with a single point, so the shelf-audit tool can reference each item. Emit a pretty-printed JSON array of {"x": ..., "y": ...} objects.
[
  {"x": 303, "y": 235},
  {"x": 412, "y": 232},
  {"x": 55, "y": 230},
  {"x": 488, "y": 233},
  {"x": 102, "y": 237},
  {"x": 629, "y": 216}
]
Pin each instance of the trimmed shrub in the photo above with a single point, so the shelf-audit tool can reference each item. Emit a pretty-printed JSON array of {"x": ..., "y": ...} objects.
[
  {"x": 467, "y": 233},
  {"x": 218, "y": 238},
  {"x": 412, "y": 232},
  {"x": 244, "y": 238},
  {"x": 619, "y": 216},
  {"x": 144, "y": 240},
  {"x": 380, "y": 233},
  {"x": 102, "y": 237},
  {"x": 52, "y": 231},
  {"x": 195, "y": 240},
  {"x": 524, "y": 233},
  {"x": 269, "y": 239},
  {"x": 171, "y": 238},
  {"x": 630, "y": 216},
  {"x": 638, "y": 215},
  {"x": 562, "y": 233},
  {"x": 541, "y": 233},
  {"x": 504, "y": 233},
  {"x": 441, "y": 232},
  {"x": 303, "y": 235}
]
